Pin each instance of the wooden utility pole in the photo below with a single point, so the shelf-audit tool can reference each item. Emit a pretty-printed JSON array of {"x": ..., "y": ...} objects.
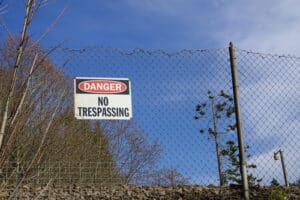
[{"x": 243, "y": 164}]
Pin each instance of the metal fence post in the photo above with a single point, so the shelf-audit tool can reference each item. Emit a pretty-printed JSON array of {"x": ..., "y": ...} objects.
[
  {"x": 243, "y": 165},
  {"x": 282, "y": 165},
  {"x": 284, "y": 168}
]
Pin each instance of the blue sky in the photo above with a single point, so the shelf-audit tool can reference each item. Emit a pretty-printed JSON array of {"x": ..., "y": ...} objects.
[{"x": 264, "y": 26}]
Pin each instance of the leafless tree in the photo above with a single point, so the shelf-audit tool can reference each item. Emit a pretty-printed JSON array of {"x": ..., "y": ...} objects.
[
  {"x": 133, "y": 153},
  {"x": 166, "y": 177},
  {"x": 23, "y": 71}
]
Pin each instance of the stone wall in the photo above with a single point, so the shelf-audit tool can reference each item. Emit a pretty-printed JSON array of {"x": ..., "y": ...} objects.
[{"x": 153, "y": 192}]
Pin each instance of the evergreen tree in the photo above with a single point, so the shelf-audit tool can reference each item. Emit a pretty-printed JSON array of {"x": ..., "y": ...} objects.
[
  {"x": 220, "y": 112},
  {"x": 274, "y": 182},
  {"x": 232, "y": 175},
  {"x": 217, "y": 109}
]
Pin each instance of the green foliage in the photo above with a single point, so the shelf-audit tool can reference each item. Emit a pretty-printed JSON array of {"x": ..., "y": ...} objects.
[
  {"x": 215, "y": 116},
  {"x": 277, "y": 195},
  {"x": 232, "y": 174},
  {"x": 220, "y": 109}
]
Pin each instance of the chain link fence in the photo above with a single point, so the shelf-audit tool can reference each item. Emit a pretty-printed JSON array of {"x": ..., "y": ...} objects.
[
  {"x": 184, "y": 118},
  {"x": 269, "y": 89},
  {"x": 168, "y": 86}
]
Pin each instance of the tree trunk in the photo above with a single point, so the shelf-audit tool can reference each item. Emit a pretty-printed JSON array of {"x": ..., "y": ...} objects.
[
  {"x": 219, "y": 159},
  {"x": 16, "y": 67},
  {"x": 215, "y": 133}
]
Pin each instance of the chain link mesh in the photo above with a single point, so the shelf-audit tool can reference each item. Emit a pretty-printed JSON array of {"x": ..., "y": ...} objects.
[
  {"x": 269, "y": 90},
  {"x": 167, "y": 86},
  {"x": 183, "y": 108}
]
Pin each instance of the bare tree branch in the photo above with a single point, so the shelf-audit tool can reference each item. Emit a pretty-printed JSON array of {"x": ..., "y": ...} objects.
[
  {"x": 50, "y": 27},
  {"x": 25, "y": 90},
  {"x": 2, "y": 8},
  {"x": 17, "y": 63},
  {"x": 40, "y": 146},
  {"x": 3, "y": 24},
  {"x": 44, "y": 189}
]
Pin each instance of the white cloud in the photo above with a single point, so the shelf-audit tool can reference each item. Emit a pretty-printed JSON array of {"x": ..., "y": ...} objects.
[
  {"x": 268, "y": 168},
  {"x": 269, "y": 87},
  {"x": 267, "y": 102},
  {"x": 271, "y": 117},
  {"x": 268, "y": 26}
]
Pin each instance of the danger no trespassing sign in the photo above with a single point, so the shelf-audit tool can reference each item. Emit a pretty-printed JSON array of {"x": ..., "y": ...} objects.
[{"x": 102, "y": 98}]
